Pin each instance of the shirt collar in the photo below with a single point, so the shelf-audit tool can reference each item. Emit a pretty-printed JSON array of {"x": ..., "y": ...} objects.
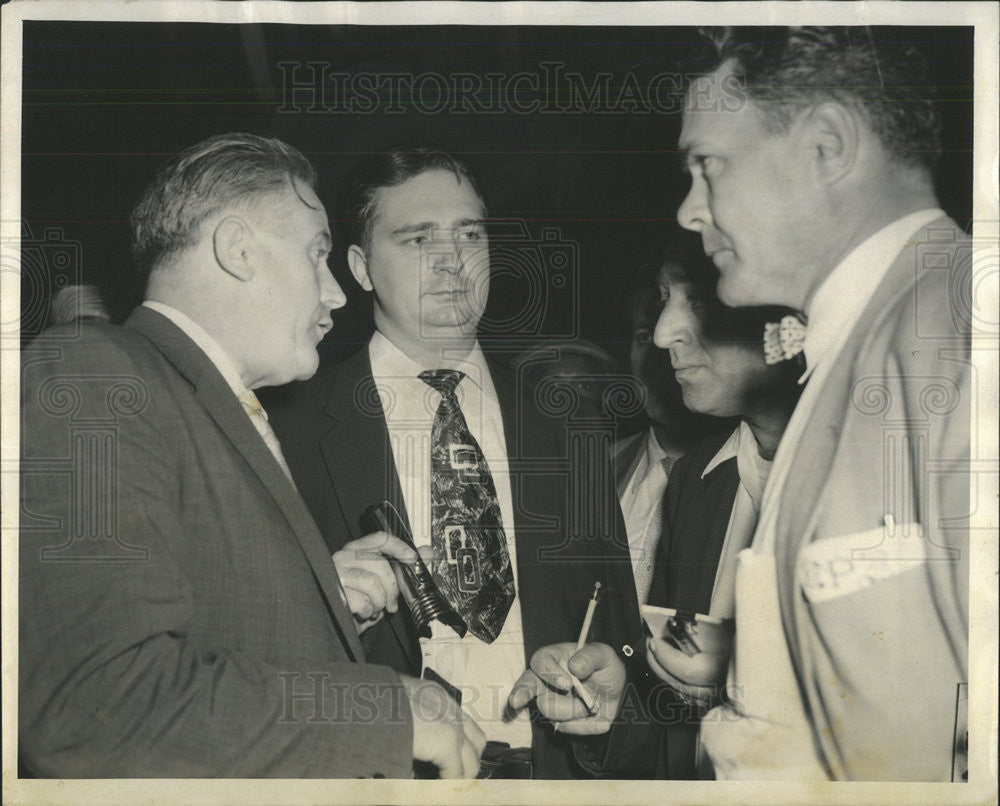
[
  {"x": 843, "y": 295},
  {"x": 388, "y": 361},
  {"x": 751, "y": 467},
  {"x": 209, "y": 346},
  {"x": 728, "y": 450},
  {"x": 654, "y": 452}
]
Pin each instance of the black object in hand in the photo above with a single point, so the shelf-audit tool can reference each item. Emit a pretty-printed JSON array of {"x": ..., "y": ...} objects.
[
  {"x": 415, "y": 581},
  {"x": 680, "y": 628}
]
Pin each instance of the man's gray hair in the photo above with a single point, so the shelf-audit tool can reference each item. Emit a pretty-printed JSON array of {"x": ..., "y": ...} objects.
[{"x": 188, "y": 188}]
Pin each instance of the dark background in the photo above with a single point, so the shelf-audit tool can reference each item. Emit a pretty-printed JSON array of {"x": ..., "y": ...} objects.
[{"x": 105, "y": 103}]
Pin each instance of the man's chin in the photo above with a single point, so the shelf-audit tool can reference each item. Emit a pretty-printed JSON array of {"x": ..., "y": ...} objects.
[
  {"x": 456, "y": 323},
  {"x": 307, "y": 370},
  {"x": 303, "y": 369},
  {"x": 734, "y": 293}
]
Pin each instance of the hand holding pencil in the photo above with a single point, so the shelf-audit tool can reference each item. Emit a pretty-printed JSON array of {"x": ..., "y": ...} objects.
[{"x": 577, "y": 686}]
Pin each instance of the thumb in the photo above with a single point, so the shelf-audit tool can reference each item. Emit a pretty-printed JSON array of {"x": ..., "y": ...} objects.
[
  {"x": 394, "y": 547},
  {"x": 591, "y": 659},
  {"x": 527, "y": 687}
]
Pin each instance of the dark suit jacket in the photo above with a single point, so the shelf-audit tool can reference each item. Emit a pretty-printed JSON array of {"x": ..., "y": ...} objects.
[
  {"x": 696, "y": 513},
  {"x": 334, "y": 436},
  {"x": 179, "y": 612}
]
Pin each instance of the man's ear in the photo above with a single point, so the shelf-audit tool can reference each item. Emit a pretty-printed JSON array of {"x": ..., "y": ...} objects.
[
  {"x": 358, "y": 264},
  {"x": 835, "y": 140},
  {"x": 232, "y": 243}
]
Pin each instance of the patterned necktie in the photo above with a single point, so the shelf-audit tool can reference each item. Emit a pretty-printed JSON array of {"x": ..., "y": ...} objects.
[{"x": 471, "y": 563}]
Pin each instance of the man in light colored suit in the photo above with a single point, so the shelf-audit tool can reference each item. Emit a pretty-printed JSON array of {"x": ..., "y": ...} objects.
[
  {"x": 179, "y": 612},
  {"x": 811, "y": 153},
  {"x": 818, "y": 193}
]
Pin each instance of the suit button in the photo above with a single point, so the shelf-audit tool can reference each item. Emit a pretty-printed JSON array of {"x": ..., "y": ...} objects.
[{"x": 627, "y": 651}]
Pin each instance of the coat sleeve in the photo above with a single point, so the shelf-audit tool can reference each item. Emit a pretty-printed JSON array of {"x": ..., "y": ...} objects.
[{"x": 111, "y": 682}]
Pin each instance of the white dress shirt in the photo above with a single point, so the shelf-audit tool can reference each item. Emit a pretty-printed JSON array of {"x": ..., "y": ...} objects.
[
  {"x": 753, "y": 471},
  {"x": 766, "y": 734},
  {"x": 227, "y": 369},
  {"x": 641, "y": 502},
  {"x": 484, "y": 673}
]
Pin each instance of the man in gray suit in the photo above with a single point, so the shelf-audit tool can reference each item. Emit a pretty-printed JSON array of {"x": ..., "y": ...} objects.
[{"x": 179, "y": 613}]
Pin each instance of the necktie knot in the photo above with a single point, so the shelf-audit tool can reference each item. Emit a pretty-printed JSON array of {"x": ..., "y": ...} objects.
[
  {"x": 444, "y": 381},
  {"x": 252, "y": 405}
]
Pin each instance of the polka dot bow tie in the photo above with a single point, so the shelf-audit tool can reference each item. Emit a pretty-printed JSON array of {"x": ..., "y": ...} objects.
[{"x": 783, "y": 340}]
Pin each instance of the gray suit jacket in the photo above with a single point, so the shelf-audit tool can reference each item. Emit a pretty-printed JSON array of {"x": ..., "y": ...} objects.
[
  {"x": 877, "y": 617},
  {"x": 179, "y": 612}
]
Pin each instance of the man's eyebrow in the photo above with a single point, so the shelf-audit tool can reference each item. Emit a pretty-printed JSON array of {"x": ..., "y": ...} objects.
[
  {"x": 424, "y": 226},
  {"x": 406, "y": 229},
  {"x": 684, "y": 159}
]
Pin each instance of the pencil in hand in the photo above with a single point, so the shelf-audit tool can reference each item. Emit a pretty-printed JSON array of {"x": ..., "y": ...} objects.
[{"x": 585, "y": 696}]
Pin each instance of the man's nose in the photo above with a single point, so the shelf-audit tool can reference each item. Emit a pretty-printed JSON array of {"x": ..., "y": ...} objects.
[
  {"x": 672, "y": 327},
  {"x": 331, "y": 295},
  {"x": 693, "y": 214},
  {"x": 446, "y": 254}
]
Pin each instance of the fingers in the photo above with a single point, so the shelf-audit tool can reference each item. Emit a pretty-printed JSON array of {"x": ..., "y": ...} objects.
[
  {"x": 472, "y": 742},
  {"x": 457, "y": 757},
  {"x": 452, "y": 762},
  {"x": 547, "y": 664},
  {"x": 389, "y": 546},
  {"x": 382, "y": 543},
  {"x": 560, "y": 707},
  {"x": 697, "y": 670},
  {"x": 653, "y": 659},
  {"x": 526, "y": 688},
  {"x": 442, "y": 733},
  {"x": 359, "y": 604},
  {"x": 475, "y": 735},
  {"x": 668, "y": 656},
  {"x": 553, "y": 695},
  {"x": 548, "y": 677},
  {"x": 470, "y": 759},
  {"x": 370, "y": 590},
  {"x": 363, "y": 568}
]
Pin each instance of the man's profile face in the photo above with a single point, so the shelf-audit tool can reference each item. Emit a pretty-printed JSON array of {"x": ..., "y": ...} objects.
[
  {"x": 648, "y": 365},
  {"x": 749, "y": 197},
  {"x": 296, "y": 286},
  {"x": 428, "y": 258},
  {"x": 720, "y": 378}
]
